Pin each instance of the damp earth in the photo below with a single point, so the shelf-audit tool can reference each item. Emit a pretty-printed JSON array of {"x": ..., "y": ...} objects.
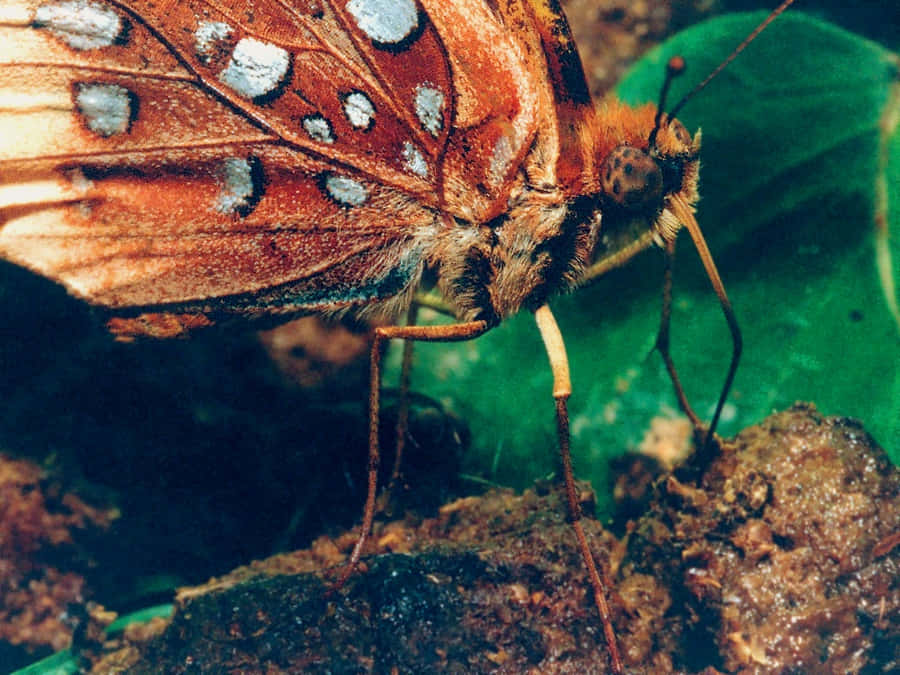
[{"x": 781, "y": 555}]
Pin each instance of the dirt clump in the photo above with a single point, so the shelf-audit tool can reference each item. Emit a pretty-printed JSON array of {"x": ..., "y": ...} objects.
[{"x": 781, "y": 557}]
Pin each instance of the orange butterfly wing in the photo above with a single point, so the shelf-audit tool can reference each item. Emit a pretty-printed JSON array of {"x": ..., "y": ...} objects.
[{"x": 190, "y": 158}]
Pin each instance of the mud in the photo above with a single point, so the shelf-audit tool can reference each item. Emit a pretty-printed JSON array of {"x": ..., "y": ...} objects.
[{"x": 781, "y": 557}]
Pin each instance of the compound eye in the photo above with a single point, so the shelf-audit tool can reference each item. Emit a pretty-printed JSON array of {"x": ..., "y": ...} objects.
[{"x": 631, "y": 178}]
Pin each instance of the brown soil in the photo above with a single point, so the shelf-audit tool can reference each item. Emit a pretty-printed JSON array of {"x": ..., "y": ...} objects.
[
  {"x": 781, "y": 557},
  {"x": 48, "y": 536}
]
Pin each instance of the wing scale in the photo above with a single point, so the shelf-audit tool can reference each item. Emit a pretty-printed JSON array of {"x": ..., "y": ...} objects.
[{"x": 191, "y": 157}]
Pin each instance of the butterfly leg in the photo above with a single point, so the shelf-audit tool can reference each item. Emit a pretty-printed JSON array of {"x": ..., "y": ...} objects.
[
  {"x": 562, "y": 389},
  {"x": 445, "y": 333},
  {"x": 685, "y": 214},
  {"x": 403, "y": 410},
  {"x": 662, "y": 338}
]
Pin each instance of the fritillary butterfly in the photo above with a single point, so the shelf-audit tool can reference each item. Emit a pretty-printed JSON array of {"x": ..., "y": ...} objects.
[{"x": 181, "y": 163}]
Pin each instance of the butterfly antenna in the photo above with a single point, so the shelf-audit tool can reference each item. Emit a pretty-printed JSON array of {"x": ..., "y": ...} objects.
[
  {"x": 737, "y": 50},
  {"x": 674, "y": 68}
]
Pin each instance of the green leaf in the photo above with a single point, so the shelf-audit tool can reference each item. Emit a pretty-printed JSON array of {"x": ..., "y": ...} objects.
[
  {"x": 64, "y": 663},
  {"x": 61, "y": 663},
  {"x": 141, "y": 616},
  {"x": 887, "y": 205},
  {"x": 791, "y": 121},
  {"x": 790, "y": 156},
  {"x": 791, "y": 162}
]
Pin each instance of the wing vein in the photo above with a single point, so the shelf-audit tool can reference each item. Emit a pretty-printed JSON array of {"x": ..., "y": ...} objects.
[
  {"x": 108, "y": 70},
  {"x": 130, "y": 152},
  {"x": 379, "y": 78}
]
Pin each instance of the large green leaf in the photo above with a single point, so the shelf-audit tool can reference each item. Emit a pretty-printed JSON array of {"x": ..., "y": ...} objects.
[
  {"x": 791, "y": 162},
  {"x": 790, "y": 156}
]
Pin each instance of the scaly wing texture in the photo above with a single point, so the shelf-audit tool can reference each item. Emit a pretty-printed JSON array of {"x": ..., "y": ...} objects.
[{"x": 213, "y": 157}]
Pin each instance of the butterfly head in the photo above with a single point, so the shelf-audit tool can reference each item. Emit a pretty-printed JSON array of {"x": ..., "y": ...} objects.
[{"x": 639, "y": 178}]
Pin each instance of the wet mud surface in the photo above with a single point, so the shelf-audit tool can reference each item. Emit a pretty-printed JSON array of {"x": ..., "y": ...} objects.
[{"x": 780, "y": 556}]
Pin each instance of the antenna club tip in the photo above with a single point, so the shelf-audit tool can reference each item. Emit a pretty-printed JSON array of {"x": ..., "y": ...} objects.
[{"x": 676, "y": 65}]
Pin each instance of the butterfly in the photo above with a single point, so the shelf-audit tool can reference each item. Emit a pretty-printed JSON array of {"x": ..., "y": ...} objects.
[{"x": 187, "y": 163}]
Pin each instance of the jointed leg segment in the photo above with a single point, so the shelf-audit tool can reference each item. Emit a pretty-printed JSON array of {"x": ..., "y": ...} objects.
[
  {"x": 562, "y": 389},
  {"x": 662, "y": 339},
  {"x": 403, "y": 412},
  {"x": 447, "y": 333},
  {"x": 685, "y": 214}
]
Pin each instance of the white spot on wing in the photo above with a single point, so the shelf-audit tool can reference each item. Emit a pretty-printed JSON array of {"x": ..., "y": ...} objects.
[
  {"x": 318, "y": 128},
  {"x": 256, "y": 68},
  {"x": 359, "y": 109},
  {"x": 209, "y": 35},
  {"x": 83, "y": 24},
  {"x": 106, "y": 108},
  {"x": 237, "y": 185},
  {"x": 414, "y": 160},
  {"x": 346, "y": 190},
  {"x": 385, "y": 21},
  {"x": 430, "y": 108}
]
